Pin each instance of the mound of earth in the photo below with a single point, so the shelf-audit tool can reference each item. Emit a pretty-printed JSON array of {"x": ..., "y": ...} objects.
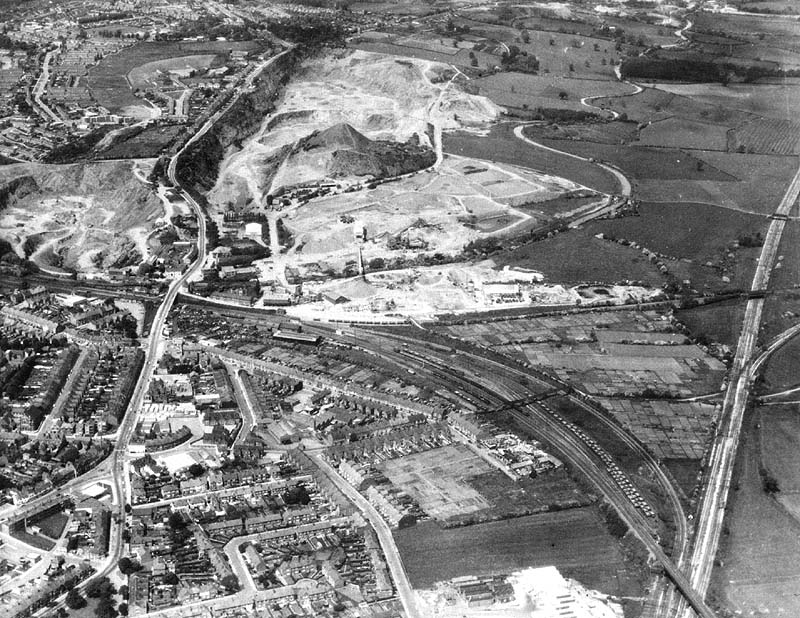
[
  {"x": 84, "y": 217},
  {"x": 342, "y": 152}
]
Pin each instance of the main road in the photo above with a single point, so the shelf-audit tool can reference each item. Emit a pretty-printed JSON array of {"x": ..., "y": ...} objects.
[
  {"x": 723, "y": 453},
  {"x": 404, "y": 590}
]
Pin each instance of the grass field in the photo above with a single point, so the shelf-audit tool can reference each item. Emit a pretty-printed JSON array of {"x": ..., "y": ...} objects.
[
  {"x": 781, "y": 370},
  {"x": 503, "y": 146},
  {"x": 602, "y": 132},
  {"x": 719, "y": 322},
  {"x": 577, "y": 256},
  {"x": 773, "y": 101},
  {"x": 520, "y": 89},
  {"x": 38, "y": 541},
  {"x": 683, "y": 230},
  {"x": 653, "y": 105},
  {"x": 575, "y": 541},
  {"x": 642, "y": 162},
  {"x": 679, "y": 133},
  {"x": 53, "y": 525},
  {"x": 757, "y": 571},
  {"x": 762, "y": 181}
]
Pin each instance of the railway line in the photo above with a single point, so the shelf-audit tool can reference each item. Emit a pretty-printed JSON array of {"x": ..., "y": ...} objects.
[{"x": 497, "y": 390}]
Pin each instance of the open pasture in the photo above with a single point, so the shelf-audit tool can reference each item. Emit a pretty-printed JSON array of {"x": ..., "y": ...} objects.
[
  {"x": 683, "y": 230},
  {"x": 653, "y": 105},
  {"x": 546, "y": 91},
  {"x": 680, "y": 133},
  {"x": 578, "y": 257}
]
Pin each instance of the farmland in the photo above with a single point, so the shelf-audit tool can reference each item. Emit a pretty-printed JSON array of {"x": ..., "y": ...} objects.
[
  {"x": 574, "y": 541},
  {"x": 611, "y": 355},
  {"x": 757, "y": 570}
]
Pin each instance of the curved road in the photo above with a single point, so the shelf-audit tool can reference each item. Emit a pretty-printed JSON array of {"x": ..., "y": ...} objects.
[{"x": 624, "y": 183}]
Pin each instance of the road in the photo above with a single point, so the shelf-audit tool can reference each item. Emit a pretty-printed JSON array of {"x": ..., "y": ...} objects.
[
  {"x": 624, "y": 183},
  {"x": 66, "y": 391},
  {"x": 249, "y": 420},
  {"x": 407, "y": 595},
  {"x": 488, "y": 382},
  {"x": 726, "y": 440},
  {"x": 41, "y": 85}
]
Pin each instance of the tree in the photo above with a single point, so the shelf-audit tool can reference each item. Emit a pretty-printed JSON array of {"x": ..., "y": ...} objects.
[
  {"x": 105, "y": 608},
  {"x": 230, "y": 582},
  {"x": 75, "y": 600},
  {"x": 196, "y": 470},
  {"x": 171, "y": 579},
  {"x": 124, "y": 591},
  {"x": 176, "y": 521},
  {"x": 123, "y": 609},
  {"x": 571, "y": 68},
  {"x": 128, "y": 566},
  {"x": 563, "y": 95}
]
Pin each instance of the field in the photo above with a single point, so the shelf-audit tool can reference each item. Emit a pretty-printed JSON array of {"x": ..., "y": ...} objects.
[
  {"x": 768, "y": 136},
  {"x": 503, "y": 146},
  {"x": 653, "y": 105},
  {"x": 608, "y": 354},
  {"x": 641, "y": 162},
  {"x": 146, "y": 75},
  {"x": 108, "y": 80},
  {"x": 574, "y": 541},
  {"x": 670, "y": 430},
  {"x": 719, "y": 322},
  {"x": 602, "y": 132},
  {"x": 145, "y": 145},
  {"x": 684, "y": 230},
  {"x": 679, "y": 133},
  {"x": 757, "y": 570},
  {"x": 760, "y": 182},
  {"x": 546, "y": 91},
  {"x": 781, "y": 371},
  {"x": 577, "y": 256},
  {"x": 772, "y": 101},
  {"x": 53, "y": 525},
  {"x": 437, "y": 479},
  {"x": 702, "y": 237}
]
